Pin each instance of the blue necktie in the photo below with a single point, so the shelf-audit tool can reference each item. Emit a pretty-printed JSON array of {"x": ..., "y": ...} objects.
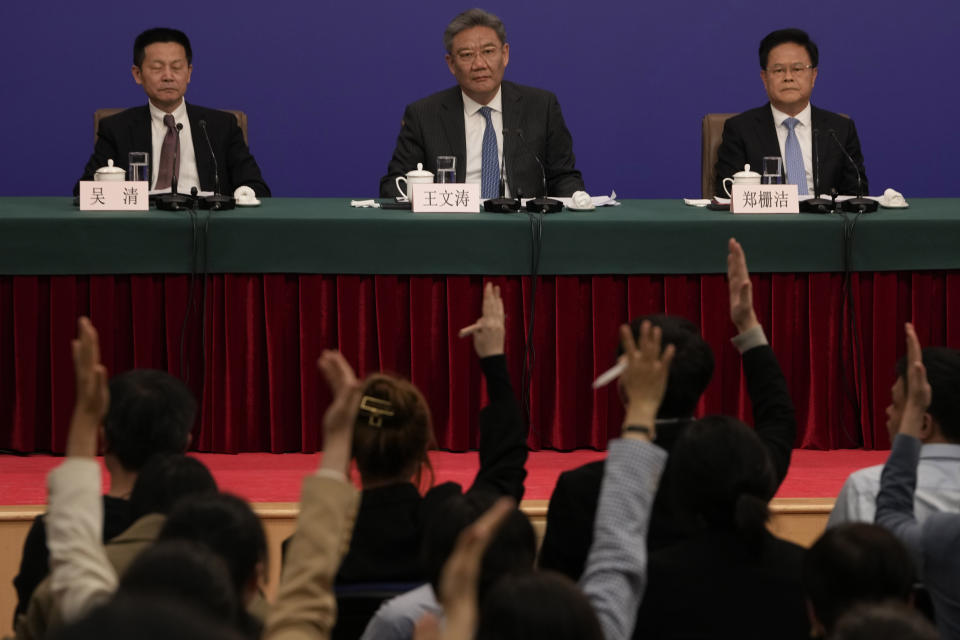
[
  {"x": 490, "y": 162},
  {"x": 795, "y": 171}
]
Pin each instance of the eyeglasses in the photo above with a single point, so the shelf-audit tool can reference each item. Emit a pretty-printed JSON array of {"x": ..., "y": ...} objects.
[
  {"x": 487, "y": 53},
  {"x": 779, "y": 71}
]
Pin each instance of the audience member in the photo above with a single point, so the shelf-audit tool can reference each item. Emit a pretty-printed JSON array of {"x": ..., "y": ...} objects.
[
  {"x": 573, "y": 504},
  {"x": 851, "y": 564},
  {"x": 887, "y": 621},
  {"x": 932, "y": 543},
  {"x": 938, "y": 473},
  {"x": 145, "y": 618}
]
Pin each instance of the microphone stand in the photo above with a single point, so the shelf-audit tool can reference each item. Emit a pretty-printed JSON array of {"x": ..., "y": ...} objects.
[
  {"x": 174, "y": 201},
  {"x": 542, "y": 204},
  {"x": 503, "y": 204},
  {"x": 216, "y": 202},
  {"x": 858, "y": 204},
  {"x": 817, "y": 204}
]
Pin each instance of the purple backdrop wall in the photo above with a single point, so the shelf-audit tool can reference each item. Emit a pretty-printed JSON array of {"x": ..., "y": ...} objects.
[{"x": 324, "y": 84}]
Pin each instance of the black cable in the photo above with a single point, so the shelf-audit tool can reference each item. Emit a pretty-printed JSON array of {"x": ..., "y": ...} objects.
[
  {"x": 194, "y": 251},
  {"x": 530, "y": 353},
  {"x": 848, "y": 316}
]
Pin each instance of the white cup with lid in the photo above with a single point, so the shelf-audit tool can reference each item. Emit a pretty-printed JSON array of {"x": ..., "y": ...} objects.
[
  {"x": 415, "y": 176},
  {"x": 110, "y": 173},
  {"x": 741, "y": 177}
]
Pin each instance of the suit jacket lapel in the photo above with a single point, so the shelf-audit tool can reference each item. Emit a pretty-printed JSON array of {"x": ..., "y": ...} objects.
[
  {"x": 767, "y": 129},
  {"x": 200, "y": 152},
  {"x": 451, "y": 119},
  {"x": 141, "y": 134},
  {"x": 512, "y": 104}
]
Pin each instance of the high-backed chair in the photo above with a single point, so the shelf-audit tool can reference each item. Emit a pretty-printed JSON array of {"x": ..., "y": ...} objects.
[
  {"x": 711, "y": 133},
  {"x": 100, "y": 114}
]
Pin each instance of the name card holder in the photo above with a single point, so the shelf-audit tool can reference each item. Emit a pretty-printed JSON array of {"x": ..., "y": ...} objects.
[
  {"x": 445, "y": 198},
  {"x": 764, "y": 198},
  {"x": 114, "y": 195}
]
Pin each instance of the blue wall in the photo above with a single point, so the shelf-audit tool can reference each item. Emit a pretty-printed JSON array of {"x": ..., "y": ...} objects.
[{"x": 324, "y": 84}]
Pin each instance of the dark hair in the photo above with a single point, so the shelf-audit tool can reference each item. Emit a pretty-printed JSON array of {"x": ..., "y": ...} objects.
[
  {"x": 537, "y": 605},
  {"x": 183, "y": 570},
  {"x": 390, "y": 447},
  {"x": 796, "y": 36},
  {"x": 472, "y": 18},
  {"x": 513, "y": 549},
  {"x": 852, "y": 563},
  {"x": 144, "y": 618},
  {"x": 150, "y": 412},
  {"x": 943, "y": 374},
  {"x": 165, "y": 479},
  {"x": 160, "y": 34},
  {"x": 883, "y": 621},
  {"x": 723, "y": 476},
  {"x": 228, "y": 526},
  {"x": 692, "y": 365}
]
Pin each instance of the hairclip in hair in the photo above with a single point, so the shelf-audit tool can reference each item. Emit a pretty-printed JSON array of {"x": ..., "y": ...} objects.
[{"x": 375, "y": 409}]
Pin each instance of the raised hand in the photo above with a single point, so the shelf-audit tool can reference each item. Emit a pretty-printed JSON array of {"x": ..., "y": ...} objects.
[
  {"x": 919, "y": 394},
  {"x": 341, "y": 415},
  {"x": 92, "y": 391},
  {"x": 741, "y": 290},
  {"x": 489, "y": 330},
  {"x": 644, "y": 380}
]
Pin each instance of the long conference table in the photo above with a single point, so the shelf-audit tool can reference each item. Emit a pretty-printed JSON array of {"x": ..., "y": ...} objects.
[{"x": 240, "y": 304}]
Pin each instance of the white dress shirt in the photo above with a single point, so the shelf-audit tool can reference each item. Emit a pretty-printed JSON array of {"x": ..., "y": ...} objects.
[
  {"x": 474, "y": 125},
  {"x": 804, "y": 132},
  {"x": 189, "y": 176}
]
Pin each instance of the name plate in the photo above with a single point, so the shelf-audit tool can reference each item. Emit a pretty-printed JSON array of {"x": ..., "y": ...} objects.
[
  {"x": 445, "y": 198},
  {"x": 764, "y": 198},
  {"x": 114, "y": 196}
]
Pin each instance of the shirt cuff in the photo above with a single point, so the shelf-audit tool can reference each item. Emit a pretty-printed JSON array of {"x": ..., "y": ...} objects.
[
  {"x": 750, "y": 339},
  {"x": 332, "y": 474}
]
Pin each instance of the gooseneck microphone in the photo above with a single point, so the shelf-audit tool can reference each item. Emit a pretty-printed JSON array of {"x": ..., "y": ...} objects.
[
  {"x": 858, "y": 204},
  {"x": 542, "y": 204},
  {"x": 502, "y": 204},
  {"x": 174, "y": 201},
  {"x": 816, "y": 204},
  {"x": 216, "y": 202}
]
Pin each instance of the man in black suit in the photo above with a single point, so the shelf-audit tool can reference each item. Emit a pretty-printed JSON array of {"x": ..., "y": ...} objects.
[
  {"x": 788, "y": 68},
  {"x": 162, "y": 64},
  {"x": 573, "y": 504},
  {"x": 525, "y": 121}
]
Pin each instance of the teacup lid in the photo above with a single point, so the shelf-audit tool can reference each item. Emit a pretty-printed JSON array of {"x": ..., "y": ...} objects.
[
  {"x": 419, "y": 172},
  {"x": 746, "y": 173},
  {"x": 110, "y": 168}
]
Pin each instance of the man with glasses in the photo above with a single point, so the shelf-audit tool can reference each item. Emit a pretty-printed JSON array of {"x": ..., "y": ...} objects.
[
  {"x": 790, "y": 127},
  {"x": 489, "y": 125}
]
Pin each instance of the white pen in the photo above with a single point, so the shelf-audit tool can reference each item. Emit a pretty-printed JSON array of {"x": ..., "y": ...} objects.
[{"x": 610, "y": 374}]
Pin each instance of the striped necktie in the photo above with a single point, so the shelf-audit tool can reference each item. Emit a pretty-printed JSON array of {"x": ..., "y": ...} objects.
[
  {"x": 168, "y": 152},
  {"x": 490, "y": 161},
  {"x": 796, "y": 174}
]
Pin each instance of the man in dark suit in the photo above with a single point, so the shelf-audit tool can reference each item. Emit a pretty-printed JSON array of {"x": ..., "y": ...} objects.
[
  {"x": 487, "y": 124},
  {"x": 573, "y": 504},
  {"x": 162, "y": 64},
  {"x": 790, "y": 127}
]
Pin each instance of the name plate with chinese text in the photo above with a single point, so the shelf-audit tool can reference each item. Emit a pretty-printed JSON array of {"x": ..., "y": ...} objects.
[
  {"x": 445, "y": 198},
  {"x": 114, "y": 196},
  {"x": 764, "y": 198}
]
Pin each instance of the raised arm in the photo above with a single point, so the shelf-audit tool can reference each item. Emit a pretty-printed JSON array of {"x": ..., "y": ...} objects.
[
  {"x": 503, "y": 432},
  {"x": 306, "y": 606},
  {"x": 80, "y": 574},
  {"x": 774, "y": 416},
  {"x": 615, "y": 575}
]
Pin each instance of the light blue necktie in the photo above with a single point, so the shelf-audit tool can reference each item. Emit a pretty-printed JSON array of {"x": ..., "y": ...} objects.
[
  {"x": 490, "y": 162},
  {"x": 796, "y": 174}
]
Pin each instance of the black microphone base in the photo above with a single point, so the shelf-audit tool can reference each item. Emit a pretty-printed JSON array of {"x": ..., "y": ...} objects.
[
  {"x": 502, "y": 205},
  {"x": 544, "y": 205},
  {"x": 859, "y": 205},
  {"x": 218, "y": 203},
  {"x": 816, "y": 205},
  {"x": 174, "y": 202}
]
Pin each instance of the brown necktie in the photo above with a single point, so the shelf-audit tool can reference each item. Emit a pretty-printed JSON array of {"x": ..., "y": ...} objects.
[{"x": 167, "y": 154}]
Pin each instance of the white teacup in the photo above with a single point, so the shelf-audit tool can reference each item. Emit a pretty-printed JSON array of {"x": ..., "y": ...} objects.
[
  {"x": 416, "y": 176},
  {"x": 741, "y": 177},
  {"x": 110, "y": 173}
]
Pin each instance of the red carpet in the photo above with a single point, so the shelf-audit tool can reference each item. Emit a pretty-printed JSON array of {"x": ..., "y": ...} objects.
[{"x": 264, "y": 477}]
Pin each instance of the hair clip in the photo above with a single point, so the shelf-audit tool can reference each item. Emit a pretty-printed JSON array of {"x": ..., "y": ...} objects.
[{"x": 375, "y": 409}]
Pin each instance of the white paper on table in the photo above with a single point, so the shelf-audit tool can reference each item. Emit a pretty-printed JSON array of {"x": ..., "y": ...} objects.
[{"x": 598, "y": 201}]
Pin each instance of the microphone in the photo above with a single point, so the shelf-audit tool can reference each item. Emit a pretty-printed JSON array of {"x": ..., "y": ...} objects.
[
  {"x": 542, "y": 204},
  {"x": 174, "y": 201},
  {"x": 503, "y": 204},
  {"x": 816, "y": 204},
  {"x": 858, "y": 204},
  {"x": 216, "y": 202}
]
